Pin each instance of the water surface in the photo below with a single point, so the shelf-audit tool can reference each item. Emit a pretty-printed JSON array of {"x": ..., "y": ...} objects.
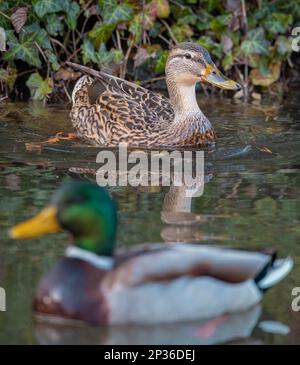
[{"x": 251, "y": 200}]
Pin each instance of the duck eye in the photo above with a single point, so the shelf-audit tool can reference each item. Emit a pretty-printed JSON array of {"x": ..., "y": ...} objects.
[{"x": 188, "y": 56}]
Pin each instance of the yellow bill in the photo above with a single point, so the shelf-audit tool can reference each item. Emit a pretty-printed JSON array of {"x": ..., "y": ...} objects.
[
  {"x": 216, "y": 78},
  {"x": 43, "y": 223}
]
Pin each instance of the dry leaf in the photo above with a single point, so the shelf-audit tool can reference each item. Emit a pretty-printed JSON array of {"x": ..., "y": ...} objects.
[
  {"x": 266, "y": 80},
  {"x": 226, "y": 43},
  {"x": 233, "y": 5},
  {"x": 140, "y": 57},
  {"x": 19, "y": 17},
  {"x": 239, "y": 94},
  {"x": 256, "y": 96},
  {"x": 65, "y": 74},
  {"x": 264, "y": 149},
  {"x": 235, "y": 23}
]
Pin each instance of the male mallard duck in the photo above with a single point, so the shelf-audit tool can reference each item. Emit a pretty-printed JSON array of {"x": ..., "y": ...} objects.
[
  {"x": 146, "y": 284},
  {"x": 108, "y": 110}
]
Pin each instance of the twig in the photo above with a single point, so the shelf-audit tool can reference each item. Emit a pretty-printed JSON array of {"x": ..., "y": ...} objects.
[
  {"x": 74, "y": 54},
  {"x": 113, "y": 37},
  {"x": 85, "y": 7},
  {"x": 61, "y": 45},
  {"x": 44, "y": 57},
  {"x": 165, "y": 40},
  {"x": 83, "y": 27},
  {"x": 26, "y": 72},
  {"x": 5, "y": 16},
  {"x": 124, "y": 66},
  {"x": 67, "y": 37},
  {"x": 67, "y": 93},
  {"x": 241, "y": 77},
  {"x": 246, "y": 68},
  {"x": 178, "y": 4},
  {"x": 170, "y": 31},
  {"x": 4, "y": 98},
  {"x": 74, "y": 46},
  {"x": 119, "y": 40},
  {"x": 143, "y": 24}
]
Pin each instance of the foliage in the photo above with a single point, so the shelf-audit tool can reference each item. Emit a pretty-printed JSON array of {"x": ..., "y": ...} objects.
[
  {"x": 132, "y": 37},
  {"x": 39, "y": 88}
]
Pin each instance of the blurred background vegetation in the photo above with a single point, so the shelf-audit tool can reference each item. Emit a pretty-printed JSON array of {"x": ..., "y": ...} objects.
[{"x": 249, "y": 40}]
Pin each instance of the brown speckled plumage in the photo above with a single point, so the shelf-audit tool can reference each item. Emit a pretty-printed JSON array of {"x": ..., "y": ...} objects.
[{"x": 108, "y": 110}]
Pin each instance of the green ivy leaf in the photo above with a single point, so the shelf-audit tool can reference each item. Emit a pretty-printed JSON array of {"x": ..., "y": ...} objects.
[
  {"x": 260, "y": 13},
  {"x": 72, "y": 14},
  {"x": 162, "y": 8},
  {"x": 40, "y": 35},
  {"x": 291, "y": 7},
  {"x": 38, "y": 87},
  {"x": 220, "y": 23},
  {"x": 136, "y": 28},
  {"x": 24, "y": 49},
  {"x": 255, "y": 42},
  {"x": 204, "y": 19},
  {"x": 211, "y": 5},
  {"x": 188, "y": 19},
  {"x": 116, "y": 55},
  {"x": 228, "y": 61},
  {"x": 161, "y": 60},
  {"x": 52, "y": 58},
  {"x": 263, "y": 66},
  {"x": 101, "y": 33},
  {"x": 54, "y": 26},
  {"x": 8, "y": 77},
  {"x": 283, "y": 45},
  {"x": 277, "y": 23},
  {"x": 182, "y": 31},
  {"x": 155, "y": 30},
  {"x": 105, "y": 57},
  {"x": 43, "y": 7},
  {"x": 213, "y": 47},
  {"x": 88, "y": 52},
  {"x": 114, "y": 13}
]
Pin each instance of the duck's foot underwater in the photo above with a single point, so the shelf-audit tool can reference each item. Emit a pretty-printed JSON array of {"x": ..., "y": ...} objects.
[{"x": 60, "y": 136}]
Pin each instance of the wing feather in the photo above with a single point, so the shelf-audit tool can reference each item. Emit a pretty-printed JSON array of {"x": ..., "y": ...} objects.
[
  {"x": 151, "y": 103},
  {"x": 176, "y": 260}
]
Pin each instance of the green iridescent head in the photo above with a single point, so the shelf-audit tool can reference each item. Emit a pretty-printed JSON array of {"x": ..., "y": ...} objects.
[{"x": 85, "y": 210}]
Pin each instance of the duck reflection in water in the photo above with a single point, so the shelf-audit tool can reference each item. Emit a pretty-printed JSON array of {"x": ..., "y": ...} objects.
[{"x": 222, "y": 328}]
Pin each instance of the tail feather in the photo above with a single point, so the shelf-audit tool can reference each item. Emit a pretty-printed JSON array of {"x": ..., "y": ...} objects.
[
  {"x": 276, "y": 272},
  {"x": 84, "y": 69}
]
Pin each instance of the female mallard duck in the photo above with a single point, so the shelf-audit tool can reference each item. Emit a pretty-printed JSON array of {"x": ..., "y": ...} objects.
[
  {"x": 108, "y": 110},
  {"x": 146, "y": 284}
]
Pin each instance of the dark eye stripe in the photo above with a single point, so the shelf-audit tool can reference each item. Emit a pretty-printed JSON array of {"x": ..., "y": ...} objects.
[{"x": 192, "y": 59}]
